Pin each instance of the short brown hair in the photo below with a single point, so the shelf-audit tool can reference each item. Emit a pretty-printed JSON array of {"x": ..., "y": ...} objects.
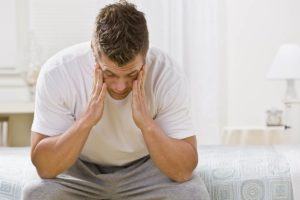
[{"x": 120, "y": 32}]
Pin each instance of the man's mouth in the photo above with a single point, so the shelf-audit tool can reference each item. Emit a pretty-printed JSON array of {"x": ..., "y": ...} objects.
[{"x": 119, "y": 95}]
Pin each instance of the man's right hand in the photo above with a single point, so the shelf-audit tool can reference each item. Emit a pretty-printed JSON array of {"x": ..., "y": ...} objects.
[
  {"x": 95, "y": 107},
  {"x": 53, "y": 155}
]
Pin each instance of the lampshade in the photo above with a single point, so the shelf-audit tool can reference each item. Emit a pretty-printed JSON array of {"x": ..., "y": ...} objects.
[{"x": 286, "y": 64}]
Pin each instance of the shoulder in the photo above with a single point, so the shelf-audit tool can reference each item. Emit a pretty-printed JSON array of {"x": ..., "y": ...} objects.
[
  {"x": 162, "y": 69},
  {"x": 160, "y": 61},
  {"x": 156, "y": 55},
  {"x": 65, "y": 68},
  {"x": 67, "y": 58},
  {"x": 165, "y": 78}
]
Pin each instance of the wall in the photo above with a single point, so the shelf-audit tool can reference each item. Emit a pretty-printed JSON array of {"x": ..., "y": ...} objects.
[
  {"x": 8, "y": 34},
  {"x": 12, "y": 85},
  {"x": 187, "y": 31},
  {"x": 255, "y": 29},
  {"x": 250, "y": 32}
]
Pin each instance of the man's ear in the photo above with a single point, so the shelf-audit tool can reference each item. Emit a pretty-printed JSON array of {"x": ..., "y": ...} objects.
[{"x": 97, "y": 65}]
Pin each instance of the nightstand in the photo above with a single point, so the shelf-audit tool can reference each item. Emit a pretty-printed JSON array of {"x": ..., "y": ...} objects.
[
  {"x": 18, "y": 116},
  {"x": 257, "y": 135}
]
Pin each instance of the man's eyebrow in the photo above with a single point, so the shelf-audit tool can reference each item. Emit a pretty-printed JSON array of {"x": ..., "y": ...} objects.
[
  {"x": 133, "y": 72},
  {"x": 108, "y": 71}
]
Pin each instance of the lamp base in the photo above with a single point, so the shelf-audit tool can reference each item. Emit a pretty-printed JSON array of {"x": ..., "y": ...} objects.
[
  {"x": 290, "y": 92},
  {"x": 292, "y": 120}
]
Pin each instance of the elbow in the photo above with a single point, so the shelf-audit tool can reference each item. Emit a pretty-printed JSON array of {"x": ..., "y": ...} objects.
[
  {"x": 182, "y": 177},
  {"x": 182, "y": 174},
  {"x": 44, "y": 169},
  {"x": 45, "y": 174}
]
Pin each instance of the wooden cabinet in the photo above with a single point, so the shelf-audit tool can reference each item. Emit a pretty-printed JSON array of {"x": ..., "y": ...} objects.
[{"x": 19, "y": 116}]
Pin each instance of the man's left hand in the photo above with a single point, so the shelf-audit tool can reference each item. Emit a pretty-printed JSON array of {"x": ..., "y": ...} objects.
[{"x": 140, "y": 111}]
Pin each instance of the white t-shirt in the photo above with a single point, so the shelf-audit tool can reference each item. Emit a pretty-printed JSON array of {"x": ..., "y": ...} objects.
[{"x": 63, "y": 90}]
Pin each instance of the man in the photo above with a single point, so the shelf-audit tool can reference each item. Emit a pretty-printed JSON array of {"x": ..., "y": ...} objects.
[{"x": 112, "y": 119}]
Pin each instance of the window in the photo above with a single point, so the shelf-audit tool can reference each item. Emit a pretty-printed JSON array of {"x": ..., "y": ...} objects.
[{"x": 8, "y": 39}]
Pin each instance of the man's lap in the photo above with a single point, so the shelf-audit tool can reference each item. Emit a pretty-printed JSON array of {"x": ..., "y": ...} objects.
[{"x": 141, "y": 180}]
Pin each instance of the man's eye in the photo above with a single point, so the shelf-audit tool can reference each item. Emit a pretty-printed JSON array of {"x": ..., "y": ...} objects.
[
  {"x": 133, "y": 75},
  {"x": 109, "y": 74}
]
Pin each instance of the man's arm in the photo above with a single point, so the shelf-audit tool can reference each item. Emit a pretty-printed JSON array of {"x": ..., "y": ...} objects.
[
  {"x": 175, "y": 158},
  {"x": 53, "y": 155}
]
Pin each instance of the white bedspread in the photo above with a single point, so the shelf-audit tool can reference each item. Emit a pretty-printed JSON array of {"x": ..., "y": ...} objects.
[
  {"x": 292, "y": 154},
  {"x": 16, "y": 170},
  {"x": 230, "y": 172},
  {"x": 251, "y": 172}
]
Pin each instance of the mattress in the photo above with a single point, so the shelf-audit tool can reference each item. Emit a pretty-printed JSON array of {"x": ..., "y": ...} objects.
[
  {"x": 16, "y": 170},
  {"x": 229, "y": 172},
  {"x": 250, "y": 172}
]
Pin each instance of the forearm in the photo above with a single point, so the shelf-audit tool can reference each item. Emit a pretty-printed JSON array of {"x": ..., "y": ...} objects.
[
  {"x": 53, "y": 155},
  {"x": 175, "y": 158}
]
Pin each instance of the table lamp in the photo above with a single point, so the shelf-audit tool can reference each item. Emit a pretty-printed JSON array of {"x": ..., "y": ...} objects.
[{"x": 286, "y": 66}]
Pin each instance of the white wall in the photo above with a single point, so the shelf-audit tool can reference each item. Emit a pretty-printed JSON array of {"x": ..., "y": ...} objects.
[
  {"x": 58, "y": 24},
  {"x": 12, "y": 86},
  {"x": 187, "y": 31},
  {"x": 8, "y": 45},
  {"x": 255, "y": 29}
]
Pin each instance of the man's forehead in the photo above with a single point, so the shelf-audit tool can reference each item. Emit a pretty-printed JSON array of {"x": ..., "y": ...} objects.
[
  {"x": 106, "y": 64},
  {"x": 126, "y": 68},
  {"x": 135, "y": 64}
]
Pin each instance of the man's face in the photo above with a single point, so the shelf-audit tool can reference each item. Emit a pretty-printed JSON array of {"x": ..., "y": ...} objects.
[{"x": 119, "y": 80}]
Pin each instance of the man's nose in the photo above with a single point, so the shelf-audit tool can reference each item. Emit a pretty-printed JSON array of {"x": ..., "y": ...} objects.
[{"x": 120, "y": 86}]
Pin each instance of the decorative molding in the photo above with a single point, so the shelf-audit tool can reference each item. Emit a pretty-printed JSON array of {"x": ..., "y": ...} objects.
[
  {"x": 16, "y": 93},
  {"x": 17, "y": 107},
  {"x": 11, "y": 78}
]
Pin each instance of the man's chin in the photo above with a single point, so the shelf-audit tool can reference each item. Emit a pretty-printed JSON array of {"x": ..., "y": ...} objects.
[{"x": 118, "y": 96}]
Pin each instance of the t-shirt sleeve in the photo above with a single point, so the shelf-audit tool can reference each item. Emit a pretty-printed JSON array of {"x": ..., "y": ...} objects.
[
  {"x": 174, "y": 114},
  {"x": 52, "y": 116}
]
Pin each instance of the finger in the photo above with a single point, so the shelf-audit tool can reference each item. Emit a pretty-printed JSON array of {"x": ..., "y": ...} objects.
[
  {"x": 143, "y": 83},
  {"x": 95, "y": 75},
  {"x": 98, "y": 88},
  {"x": 102, "y": 93},
  {"x": 139, "y": 81},
  {"x": 144, "y": 77},
  {"x": 134, "y": 91},
  {"x": 99, "y": 80},
  {"x": 100, "y": 74}
]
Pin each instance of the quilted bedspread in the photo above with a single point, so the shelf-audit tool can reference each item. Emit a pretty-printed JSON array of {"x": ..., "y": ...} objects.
[
  {"x": 245, "y": 173},
  {"x": 230, "y": 172}
]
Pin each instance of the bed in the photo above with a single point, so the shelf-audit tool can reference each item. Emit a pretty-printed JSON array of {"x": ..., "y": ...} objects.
[
  {"x": 229, "y": 172},
  {"x": 251, "y": 172}
]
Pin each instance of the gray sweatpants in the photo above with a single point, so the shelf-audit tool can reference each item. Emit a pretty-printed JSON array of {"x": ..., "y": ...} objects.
[{"x": 140, "y": 180}]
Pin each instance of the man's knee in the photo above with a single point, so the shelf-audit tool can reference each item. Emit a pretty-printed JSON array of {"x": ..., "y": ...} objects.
[
  {"x": 194, "y": 189},
  {"x": 41, "y": 189}
]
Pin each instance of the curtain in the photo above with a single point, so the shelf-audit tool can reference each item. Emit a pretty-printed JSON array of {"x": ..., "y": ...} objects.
[
  {"x": 189, "y": 31},
  {"x": 192, "y": 33}
]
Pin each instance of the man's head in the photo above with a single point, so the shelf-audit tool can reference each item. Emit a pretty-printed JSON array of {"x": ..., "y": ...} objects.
[{"x": 120, "y": 44}]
